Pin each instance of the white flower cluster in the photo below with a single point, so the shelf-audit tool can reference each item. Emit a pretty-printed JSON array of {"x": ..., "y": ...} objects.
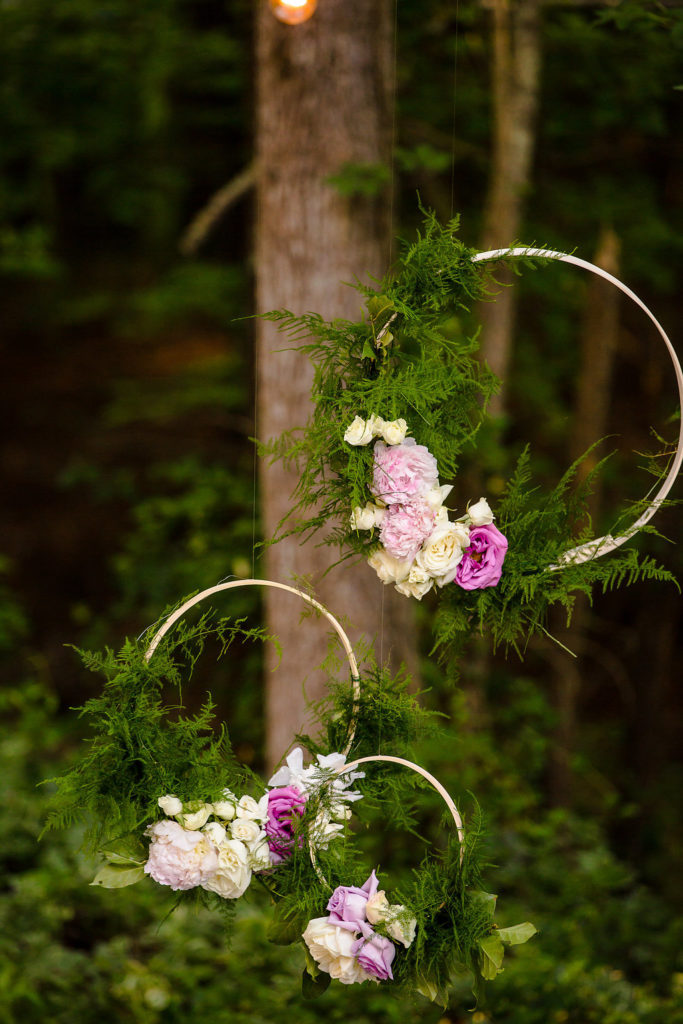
[
  {"x": 362, "y": 431},
  {"x": 218, "y": 855},
  {"x": 328, "y": 824}
]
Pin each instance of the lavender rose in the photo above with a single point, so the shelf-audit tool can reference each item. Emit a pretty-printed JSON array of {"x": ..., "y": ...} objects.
[
  {"x": 374, "y": 954},
  {"x": 347, "y": 904},
  {"x": 482, "y": 562},
  {"x": 403, "y": 472},
  {"x": 405, "y": 527},
  {"x": 283, "y": 804}
]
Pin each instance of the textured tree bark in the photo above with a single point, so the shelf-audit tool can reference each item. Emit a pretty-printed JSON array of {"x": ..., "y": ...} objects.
[
  {"x": 515, "y": 88},
  {"x": 324, "y": 94}
]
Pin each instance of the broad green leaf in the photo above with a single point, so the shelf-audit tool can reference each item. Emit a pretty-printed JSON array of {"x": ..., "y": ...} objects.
[
  {"x": 486, "y": 900},
  {"x": 115, "y": 876},
  {"x": 312, "y": 988},
  {"x": 286, "y": 926},
  {"x": 517, "y": 934},
  {"x": 492, "y": 960},
  {"x": 368, "y": 351}
]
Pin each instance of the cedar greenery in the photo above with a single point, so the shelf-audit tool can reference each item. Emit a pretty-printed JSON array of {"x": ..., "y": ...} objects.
[{"x": 408, "y": 358}]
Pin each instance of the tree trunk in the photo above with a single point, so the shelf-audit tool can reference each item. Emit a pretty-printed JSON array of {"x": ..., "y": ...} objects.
[
  {"x": 515, "y": 87},
  {"x": 324, "y": 93}
]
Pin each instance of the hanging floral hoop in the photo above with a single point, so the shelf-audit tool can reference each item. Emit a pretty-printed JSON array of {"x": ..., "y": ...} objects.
[{"x": 603, "y": 545}]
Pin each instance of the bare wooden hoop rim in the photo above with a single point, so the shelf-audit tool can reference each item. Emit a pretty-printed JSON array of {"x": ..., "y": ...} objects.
[
  {"x": 447, "y": 798},
  {"x": 602, "y": 545},
  {"x": 232, "y": 585}
]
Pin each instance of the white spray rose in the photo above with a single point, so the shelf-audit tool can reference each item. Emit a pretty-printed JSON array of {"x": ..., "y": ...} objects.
[
  {"x": 247, "y": 807},
  {"x": 480, "y": 514},
  {"x": 170, "y": 805},
  {"x": 233, "y": 874},
  {"x": 376, "y": 908},
  {"x": 376, "y": 425},
  {"x": 388, "y": 568},
  {"x": 195, "y": 815},
  {"x": 245, "y": 829},
  {"x": 359, "y": 432},
  {"x": 436, "y": 496},
  {"x": 215, "y": 832},
  {"x": 224, "y": 809},
  {"x": 417, "y": 585},
  {"x": 400, "y": 927},
  {"x": 331, "y": 947},
  {"x": 259, "y": 855},
  {"x": 366, "y": 518},
  {"x": 442, "y": 552},
  {"x": 394, "y": 431}
]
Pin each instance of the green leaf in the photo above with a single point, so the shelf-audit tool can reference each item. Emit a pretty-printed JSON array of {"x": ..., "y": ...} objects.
[
  {"x": 487, "y": 900},
  {"x": 368, "y": 351},
  {"x": 517, "y": 933},
  {"x": 493, "y": 951},
  {"x": 313, "y": 988},
  {"x": 286, "y": 925},
  {"x": 114, "y": 876}
]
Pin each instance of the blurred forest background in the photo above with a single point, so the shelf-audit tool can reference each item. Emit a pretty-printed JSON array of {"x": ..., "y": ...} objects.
[{"x": 129, "y": 478}]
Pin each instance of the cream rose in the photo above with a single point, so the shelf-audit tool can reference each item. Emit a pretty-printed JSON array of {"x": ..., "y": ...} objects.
[
  {"x": 417, "y": 585},
  {"x": 246, "y": 830},
  {"x": 480, "y": 514},
  {"x": 376, "y": 908},
  {"x": 359, "y": 432},
  {"x": 436, "y": 496},
  {"x": 247, "y": 807},
  {"x": 224, "y": 809},
  {"x": 394, "y": 431},
  {"x": 170, "y": 805},
  {"x": 331, "y": 948},
  {"x": 195, "y": 815},
  {"x": 233, "y": 874},
  {"x": 259, "y": 855},
  {"x": 388, "y": 568},
  {"x": 215, "y": 832},
  {"x": 366, "y": 518},
  {"x": 442, "y": 552},
  {"x": 401, "y": 928}
]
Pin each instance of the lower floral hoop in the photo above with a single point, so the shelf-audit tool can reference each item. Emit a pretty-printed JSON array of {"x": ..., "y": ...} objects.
[
  {"x": 233, "y": 584},
  {"x": 603, "y": 545}
]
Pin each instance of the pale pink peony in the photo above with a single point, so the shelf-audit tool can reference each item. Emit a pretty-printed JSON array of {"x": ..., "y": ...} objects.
[
  {"x": 179, "y": 857},
  {"x": 403, "y": 472},
  {"x": 405, "y": 527}
]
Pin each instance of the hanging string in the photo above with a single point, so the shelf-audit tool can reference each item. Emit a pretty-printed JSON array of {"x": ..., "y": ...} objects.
[
  {"x": 455, "y": 94},
  {"x": 392, "y": 157}
]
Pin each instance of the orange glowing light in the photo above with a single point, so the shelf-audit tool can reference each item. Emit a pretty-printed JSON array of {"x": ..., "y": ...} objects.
[{"x": 293, "y": 12}]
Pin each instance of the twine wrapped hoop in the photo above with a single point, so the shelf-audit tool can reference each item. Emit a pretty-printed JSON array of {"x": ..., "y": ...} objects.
[
  {"x": 233, "y": 584},
  {"x": 447, "y": 798},
  {"x": 602, "y": 545}
]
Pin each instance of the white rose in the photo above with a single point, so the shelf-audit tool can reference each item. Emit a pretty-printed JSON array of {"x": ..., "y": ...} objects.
[
  {"x": 417, "y": 585},
  {"x": 170, "y": 805},
  {"x": 215, "y": 832},
  {"x": 480, "y": 514},
  {"x": 366, "y": 518},
  {"x": 225, "y": 809},
  {"x": 436, "y": 496},
  {"x": 245, "y": 829},
  {"x": 401, "y": 928},
  {"x": 259, "y": 855},
  {"x": 376, "y": 425},
  {"x": 388, "y": 568},
  {"x": 394, "y": 432},
  {"x": 247, "y": 807},
  {"x": 331, "y": 947},
  {"x": 376, "y": 907},
  {"x": 196, "y": 815},
  {"x": 442, "y": 552},
  {"x": 359, "y": 432},
  {"x": 325, "y": 830},
  {"x": 233, "y": 874}
]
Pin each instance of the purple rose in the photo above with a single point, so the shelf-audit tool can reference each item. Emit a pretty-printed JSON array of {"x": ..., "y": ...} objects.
[
  {"x": 403, "y": 472},
  {"x": 405, "y": 527},
  {"x": 482, "y": 562},
  {"x": 283, "y": 804},
  {"x": 374, "y": 953},
  {"x": 347, "y": 904}
]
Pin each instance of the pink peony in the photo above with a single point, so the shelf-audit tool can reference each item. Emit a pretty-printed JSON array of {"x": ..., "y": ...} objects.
[
  {"x": 403, "y": 472},
  {"x": 482, "y": 562},
  {"x": 179, "y": 857},
  {"x": 405, "y": 527}
]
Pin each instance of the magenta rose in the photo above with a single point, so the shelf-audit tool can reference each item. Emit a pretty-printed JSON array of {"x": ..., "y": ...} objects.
[
  {"x": 482, "y": 562},
  {"x": 405, "y": 527},
  {"x": 347, "y": 904},
  {"x": 283, "y": 804},
  {"x": 374, "y": 953},
  {"x": 403, "y": 472}
]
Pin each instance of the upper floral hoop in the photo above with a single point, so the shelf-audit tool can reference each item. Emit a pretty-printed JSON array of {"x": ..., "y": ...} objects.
[
  {"x": 603, "y": 545},
  {"x": 233, "y": 584}
]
